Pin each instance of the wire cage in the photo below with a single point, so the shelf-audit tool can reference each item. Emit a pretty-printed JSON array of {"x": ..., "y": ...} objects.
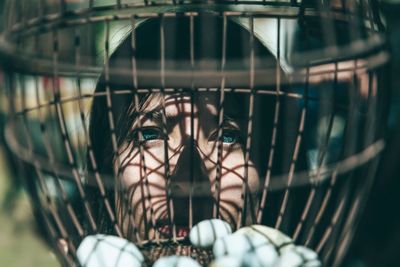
[{"x": 142, "y": 118}]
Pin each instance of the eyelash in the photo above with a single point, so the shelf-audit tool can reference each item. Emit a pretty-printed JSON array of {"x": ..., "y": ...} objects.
[
  {"x": 147, "y": 134},
  {"x": 235, "y": 134},
  {"x": 144, "y": 135}
]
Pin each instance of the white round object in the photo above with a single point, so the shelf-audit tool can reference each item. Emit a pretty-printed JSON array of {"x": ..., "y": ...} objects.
[
  {"x": 306, "y": 253},
  {"x": 206, "y": 232},
  {"x": 176, "y": 261},
  {"x": 226, "y": 261},
  {"x": 264, "y": 256},
  {"x": 108, "y": 251},
  {"x": 299, "y": 256},
  {"x": 274, "y": 236},
  {"x": 237, "y": 244},
  {"x": 289, "y": 259}
]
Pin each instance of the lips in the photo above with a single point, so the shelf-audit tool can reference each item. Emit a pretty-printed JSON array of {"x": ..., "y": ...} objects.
[{"x": 167, "y": 231}]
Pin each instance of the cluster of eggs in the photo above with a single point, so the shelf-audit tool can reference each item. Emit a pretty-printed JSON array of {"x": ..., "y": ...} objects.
[{"x": 251, "y": 246}]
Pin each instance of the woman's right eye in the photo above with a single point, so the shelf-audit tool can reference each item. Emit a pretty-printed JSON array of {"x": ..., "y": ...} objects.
[{"x": 148, "y": 134}]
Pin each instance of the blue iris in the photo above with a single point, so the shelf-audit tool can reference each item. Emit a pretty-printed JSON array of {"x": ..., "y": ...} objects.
[
  {"x": 148, "y": 134},
  {"x": 230, "y": 137}
]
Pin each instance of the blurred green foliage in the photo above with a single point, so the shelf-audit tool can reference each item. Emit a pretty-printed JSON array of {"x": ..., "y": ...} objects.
[{"x": 20, "y": 244}]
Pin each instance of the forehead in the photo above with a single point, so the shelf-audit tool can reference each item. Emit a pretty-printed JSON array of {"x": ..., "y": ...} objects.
[{"x": 181, "y": 103}]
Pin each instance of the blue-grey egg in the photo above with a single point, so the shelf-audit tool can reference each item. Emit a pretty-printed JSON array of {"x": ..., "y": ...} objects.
[
  {"x": 264, "y": 256},
  {"x": 205, "y": 233},
  {"x": 299, "y": 256},
  {"x": 225, "y": 261},
  {"x": 176, "y": 261},
  {"x": 278, "y": 239},
  {"x": 237, "y": 244},
  {"x": 108, "y": 251}
]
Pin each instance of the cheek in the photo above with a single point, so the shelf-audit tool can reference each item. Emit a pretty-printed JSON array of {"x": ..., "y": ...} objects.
[
  {"x": 234, "y": 174},
  {"x": 143, "y": 177},
  {"x": 145, "y": 182},
  {"x": 136, "y": 166}
]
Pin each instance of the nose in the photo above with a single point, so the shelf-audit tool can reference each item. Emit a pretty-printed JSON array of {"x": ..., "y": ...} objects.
[{"x": 190, "y": 187}]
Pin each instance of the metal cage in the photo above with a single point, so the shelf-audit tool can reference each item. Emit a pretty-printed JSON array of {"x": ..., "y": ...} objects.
[{"x": 140, "y": 119}]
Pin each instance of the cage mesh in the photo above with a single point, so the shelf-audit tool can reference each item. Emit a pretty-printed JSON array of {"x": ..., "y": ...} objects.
[{"x": 134, "y": 118}]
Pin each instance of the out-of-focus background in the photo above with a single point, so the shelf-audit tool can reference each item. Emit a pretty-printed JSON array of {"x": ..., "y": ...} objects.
[
  {"x": 20, "y": 244},
  {"x": 376, "y": 243}
]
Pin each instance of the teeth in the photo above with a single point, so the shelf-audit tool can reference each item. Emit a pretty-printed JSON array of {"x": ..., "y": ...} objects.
[
  {"x": 182, "y": 232},
  {"x": 167, "y": 230}
]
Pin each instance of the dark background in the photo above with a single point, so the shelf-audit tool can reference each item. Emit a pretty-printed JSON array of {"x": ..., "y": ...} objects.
[{"x": 377, "y": 241}]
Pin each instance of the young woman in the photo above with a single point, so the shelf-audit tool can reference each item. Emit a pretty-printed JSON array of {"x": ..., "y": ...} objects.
[{"x": 179, "y": 156}]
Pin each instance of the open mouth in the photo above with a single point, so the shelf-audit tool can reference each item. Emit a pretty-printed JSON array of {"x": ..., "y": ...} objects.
[{"x": 166, "y": 231}]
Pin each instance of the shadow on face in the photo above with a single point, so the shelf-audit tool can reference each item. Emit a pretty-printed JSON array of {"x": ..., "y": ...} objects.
[
  {"x": 185, "y": 160},
  {"x": 181, "y": 157}
]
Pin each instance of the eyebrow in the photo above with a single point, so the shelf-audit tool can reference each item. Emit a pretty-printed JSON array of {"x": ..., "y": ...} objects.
[
  {"x": 156, "y": 115},
  {"x": 231, "y": 122}
]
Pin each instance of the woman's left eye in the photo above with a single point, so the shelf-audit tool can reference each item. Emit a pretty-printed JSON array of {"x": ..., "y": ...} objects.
[{"x": 230, "y": 137}]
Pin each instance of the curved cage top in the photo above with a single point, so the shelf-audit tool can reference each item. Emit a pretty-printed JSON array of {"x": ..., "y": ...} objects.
[{"x": 310, "y": 32}]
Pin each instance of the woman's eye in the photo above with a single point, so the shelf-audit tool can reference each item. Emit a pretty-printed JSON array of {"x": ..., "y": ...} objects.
[
  {"x": 151, "y": 134},
  {"x": 230, "y": 137},
  {"x": 148, "y": 134}
]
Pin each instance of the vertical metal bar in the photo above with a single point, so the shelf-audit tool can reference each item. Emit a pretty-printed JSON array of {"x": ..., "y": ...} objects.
[
  {"x": 164, "y": 117},
  {"x": 245, "y": 188},
  {"x": 113, "y": 133},
  {"x": 327, "y": 24},
  {"x": 348, "y": 148},
  {"x": 137, "y": 106},
  {"x": 322, "y": 209},
  {"x": 41, "y": 7},
  {"x": 363, "y": 190},
  {"x": 371, "y": 115},
  {"x": 63, "y": 6},
  {"x": 295, "y": 154},
  {"x": 65, "y": 135},
  {"x": 49, "y": 204},
  {"x": 321, "y": 157},
  {"x": 324, "y": 149},
  {"x": 131, "y": 220},
  {"x": 50, "y": 154},
  {"x": 216, "y": 209},
  {"x": 192, "y": 143},
  {"x": 142, "y": 157},
  {"x": 57, "y": 179},
  {"x": 89, "y": 145},
  {"x": 356, "y": 208},
  {"x": 274, "y": 129},
  {"x": 335, "y": 218}
]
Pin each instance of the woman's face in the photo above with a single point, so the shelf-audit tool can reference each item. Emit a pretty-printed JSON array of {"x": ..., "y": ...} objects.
[{"x": 196, "y": 187}]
